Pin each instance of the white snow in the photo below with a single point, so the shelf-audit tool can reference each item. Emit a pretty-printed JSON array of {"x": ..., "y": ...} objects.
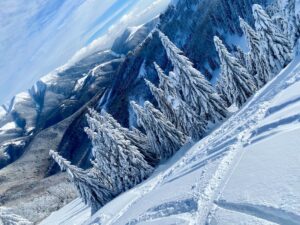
[
  {"x": 50, "y": 77},
  {"x": 74, "y": 213},
  {"x": 247, "y": 171},
  {"x": 238, "y": 41},
  {"x": 8, "y": 126},
  {"x": 21, "y": 97},
  {"x": 80, "y": 82},
  {"x": 142, "y": 71},
  {"x": 133, "y": 30}
]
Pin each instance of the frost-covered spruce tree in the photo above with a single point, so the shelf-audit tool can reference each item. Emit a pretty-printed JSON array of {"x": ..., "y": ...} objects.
[
  {"x": 257, "y": 64},
  {"x": 196, "y": 90},
  {"x": 137, "y": 138},
  {"x": 275, "y": 44},
  {"x": 236, "y": 85},
  {"x": 116, "y": 158},
  {"x": 92, "y": 186},
  {"x": 283, "y": 14},
  {"x": 164, "y": 102},
  {"x": 168, "y": 84},
  {"x": 293, "y": 21},
  {"x": 241, "y": 56},
  {"x": 170, "y": 138},
  {"x": 179, "y": 113},
  {"x": 163, "y": 136}
]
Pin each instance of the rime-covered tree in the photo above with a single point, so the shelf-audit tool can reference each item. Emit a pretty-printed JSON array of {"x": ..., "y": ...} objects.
[
  {"x": 241, "y": 56},
  {"x": 275, "y": 44},
  {"x": 283, "y": 14},
  {"x": 136, "y": 137},
  {"x": 236, "y": 85},
  {"x": 92, "y": 186},
  {"x": 162, "y": 135},
  {"x": 116, "y": 158},
  {"x": 293, "y": 21},
  {"x": 179, "y": 113},
  {"x": 257, "y": 64},
  {"x": 167, "y": 83},
  {"x": 182, "y": 115},
  {"x": 164, "y": 102},
  {"x": 196, "y": 90}
]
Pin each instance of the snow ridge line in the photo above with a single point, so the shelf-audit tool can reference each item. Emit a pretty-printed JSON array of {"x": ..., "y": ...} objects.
[
  {"x": 225, "y": 169},
  {"x": 230, "y": 161}
]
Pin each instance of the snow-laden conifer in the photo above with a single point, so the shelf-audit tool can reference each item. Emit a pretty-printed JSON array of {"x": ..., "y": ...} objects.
[
  {"x": 256, "y": 62},
  {"x": 168, "y": 84},
  {"x": 241, "y": 56},
  {"x": 164, "y": 102},
  {"x": 136, "y": 137},
  {"x": 179, "y": 113},
  {"x": 120, "y": 162},
  {"x": 195, "y": 89},
  {"x": 293, "y": 21},
  {"x": 162, "y": 135},
  {"x": 236, "y": 85},
  {"x": 92, "y": 186},
  {"x": 275, "y": 44}
]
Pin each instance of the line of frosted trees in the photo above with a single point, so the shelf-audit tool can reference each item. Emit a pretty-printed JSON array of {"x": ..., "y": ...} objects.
[{"x": 188, "y": 104}]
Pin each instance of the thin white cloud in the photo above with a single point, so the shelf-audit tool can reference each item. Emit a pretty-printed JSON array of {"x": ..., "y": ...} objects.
[
  {"x": 142, "y": 12},
  {"x": 38, "y": 36}
]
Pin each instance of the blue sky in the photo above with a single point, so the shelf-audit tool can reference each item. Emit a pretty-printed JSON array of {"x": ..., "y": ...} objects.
[{"x": 37, "y": 36}]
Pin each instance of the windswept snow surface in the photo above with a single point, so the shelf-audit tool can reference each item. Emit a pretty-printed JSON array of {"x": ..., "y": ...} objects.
[{"x": 247, "y": 171}]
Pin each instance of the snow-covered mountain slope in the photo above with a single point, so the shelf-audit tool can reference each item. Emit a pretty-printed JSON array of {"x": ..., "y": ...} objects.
[
  {"x": 191, "y": 25},
  {"x": 52, "y": 99},
  {"x": 132, "y": 36},
  {"x": 245, "y": 172}
]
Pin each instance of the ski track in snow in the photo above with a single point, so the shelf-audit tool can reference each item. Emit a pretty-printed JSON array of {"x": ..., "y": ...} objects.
[
  {"x": 254, "y": 111},
  {"x": 259, "y": 111}
]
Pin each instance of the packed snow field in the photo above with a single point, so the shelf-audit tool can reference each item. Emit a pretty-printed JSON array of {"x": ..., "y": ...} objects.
[{"x": 246, "y": 171}]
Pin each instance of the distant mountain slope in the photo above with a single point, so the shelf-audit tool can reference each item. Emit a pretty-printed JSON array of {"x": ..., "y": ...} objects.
[{"x": 52, "y": 99}]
